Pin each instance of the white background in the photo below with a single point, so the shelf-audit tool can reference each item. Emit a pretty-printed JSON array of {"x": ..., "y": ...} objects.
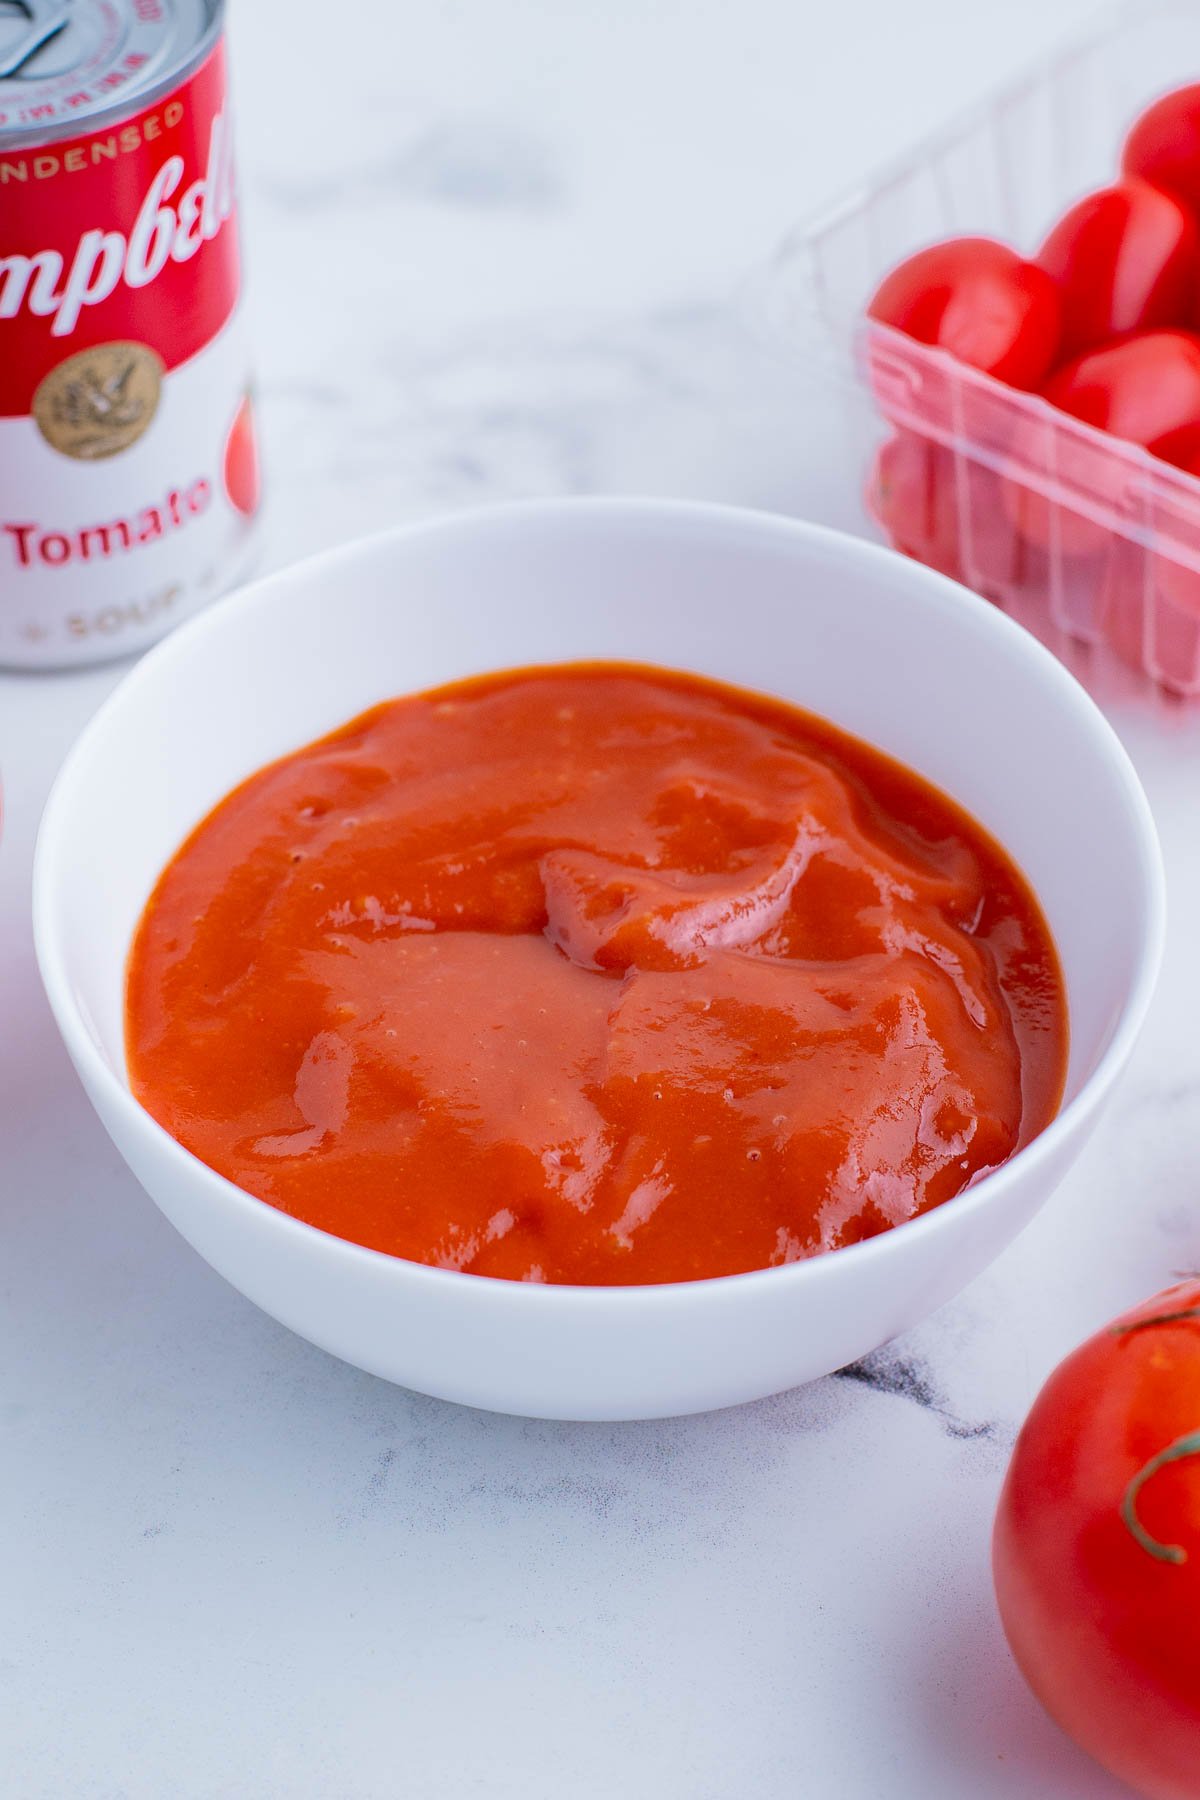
[{"x": 498, "y": 247}]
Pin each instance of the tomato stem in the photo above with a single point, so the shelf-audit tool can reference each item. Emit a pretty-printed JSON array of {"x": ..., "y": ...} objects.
[
  {"x": 1171, "y": 1318},
  {"x": 1171, "y": 1553}
]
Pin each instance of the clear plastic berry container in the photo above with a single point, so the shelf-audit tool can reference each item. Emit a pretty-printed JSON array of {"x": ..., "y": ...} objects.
[{"x": 1090, "y": 542}]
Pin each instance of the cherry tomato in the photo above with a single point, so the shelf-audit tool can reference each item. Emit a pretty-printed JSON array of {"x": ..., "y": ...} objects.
[
  {"x": 1150, "y": 596},
  {"x": 1121, "y": 588},
  {"x": 1164, "y": 145},
  {"x": 1144, "y": 389},
  {"x": 1125, "y": 259},
  {"x": 913, "y": 496},
  {"x": 995, "y": 559},
  {"x": 978, "y": 300},
  {"x": 1173, "y": 584},
  {"x": 1097, "y": 1546}
]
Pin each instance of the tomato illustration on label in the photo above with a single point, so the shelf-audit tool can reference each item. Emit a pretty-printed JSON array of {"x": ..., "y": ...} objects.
[{"x": 243, "y": 483}]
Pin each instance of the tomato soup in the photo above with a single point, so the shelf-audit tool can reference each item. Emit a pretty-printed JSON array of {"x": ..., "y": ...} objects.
[{"x": 597, "y": 974}]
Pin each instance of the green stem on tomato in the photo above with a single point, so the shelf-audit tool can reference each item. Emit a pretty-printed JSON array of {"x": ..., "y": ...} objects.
[
  {"x": 1171, "y": 1553},
  {"x": 1171, "y": 1318}
]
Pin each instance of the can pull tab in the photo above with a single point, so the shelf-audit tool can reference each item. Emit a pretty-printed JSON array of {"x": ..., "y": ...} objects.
[{"x": 46, "y": 19}]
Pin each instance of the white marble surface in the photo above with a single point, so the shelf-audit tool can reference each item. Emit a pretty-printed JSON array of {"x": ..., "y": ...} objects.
[{"x": 497, "y": 249}]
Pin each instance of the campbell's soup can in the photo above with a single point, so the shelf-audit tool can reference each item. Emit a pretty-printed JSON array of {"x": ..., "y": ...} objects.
[{"x": 128, "y": 465}]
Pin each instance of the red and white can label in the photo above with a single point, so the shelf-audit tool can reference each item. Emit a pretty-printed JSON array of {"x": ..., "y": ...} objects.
[{"x": 128, "y": 470}]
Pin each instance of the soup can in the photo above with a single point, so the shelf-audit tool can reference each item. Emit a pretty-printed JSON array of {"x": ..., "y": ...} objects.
[{"x": 129, "y": 479}]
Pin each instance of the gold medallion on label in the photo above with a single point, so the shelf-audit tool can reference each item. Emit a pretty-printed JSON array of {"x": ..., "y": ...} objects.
[{"x": 100, "y": 401}]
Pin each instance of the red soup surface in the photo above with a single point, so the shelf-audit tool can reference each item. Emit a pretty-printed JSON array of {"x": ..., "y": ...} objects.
[{"x": 598, "y": 974}]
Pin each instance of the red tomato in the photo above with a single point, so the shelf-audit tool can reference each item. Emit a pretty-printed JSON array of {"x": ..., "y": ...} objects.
[
  {"x": 1178, "y": 520},
  {"x": 1125, "y": 259},
  {"x": 1181, "y": 448},
  {"x": 978, "y": 300},
  {"x": 1097, "y": 1546},
  {"x": 242, "y": 479},
  {"x": 1164, "y": 145},
  {"x": 996, "y": 561},
  {"x": 913, "y": 496},
  {"x": 1122, "y": 583},
  {"x": 1144, "y": 389},
  {"x": 948, "y": 513},
  {"x": 1174, "y": 586}
]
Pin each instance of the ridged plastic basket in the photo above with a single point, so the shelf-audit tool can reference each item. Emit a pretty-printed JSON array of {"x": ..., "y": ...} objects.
[{"x": 1090, "y": 542}]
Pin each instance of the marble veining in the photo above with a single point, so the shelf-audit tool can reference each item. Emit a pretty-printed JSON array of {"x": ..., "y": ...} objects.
[{"x": 890, "y": 1371}]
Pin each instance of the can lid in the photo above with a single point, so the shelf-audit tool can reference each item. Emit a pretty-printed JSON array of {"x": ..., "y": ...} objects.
[{"x": 64, "y": 62}]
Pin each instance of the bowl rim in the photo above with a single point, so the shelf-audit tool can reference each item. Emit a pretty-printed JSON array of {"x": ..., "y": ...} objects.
[{"x": 621, "y": 512}]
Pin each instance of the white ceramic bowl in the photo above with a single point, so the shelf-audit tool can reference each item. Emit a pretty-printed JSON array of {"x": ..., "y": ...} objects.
[{"x": 878, "y": 644}]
